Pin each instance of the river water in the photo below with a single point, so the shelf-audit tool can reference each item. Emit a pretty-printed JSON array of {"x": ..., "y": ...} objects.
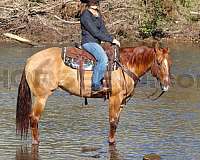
[{"x": 168, "y": 127}]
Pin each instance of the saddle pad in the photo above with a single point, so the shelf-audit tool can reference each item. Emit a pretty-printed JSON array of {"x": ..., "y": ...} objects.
[{"x": 74, "y": 63}]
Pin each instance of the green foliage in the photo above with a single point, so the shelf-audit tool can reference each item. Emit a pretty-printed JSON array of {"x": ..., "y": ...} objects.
[
  {"x": 150, "y": 25},
  {"x": 147, "y": 29},
  {"x": 158, "y": 10},
  {"x": 194, "y": 18},
  {"x": 185, "y": 3}
]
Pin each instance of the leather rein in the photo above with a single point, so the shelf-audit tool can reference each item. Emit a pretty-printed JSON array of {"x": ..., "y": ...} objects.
[
  {"x": 128, "y": 72},
  {"x": 136, "y": 79}
]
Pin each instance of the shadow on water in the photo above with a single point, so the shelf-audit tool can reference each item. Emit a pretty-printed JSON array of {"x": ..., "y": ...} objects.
[
  {"x": 114, "y": 153},
  {"x": 26, "y": 153},
  {"x": 96, "y": 153}
]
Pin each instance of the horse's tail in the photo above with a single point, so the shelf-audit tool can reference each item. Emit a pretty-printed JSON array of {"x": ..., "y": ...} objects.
[{"x": 24, "y": 104}]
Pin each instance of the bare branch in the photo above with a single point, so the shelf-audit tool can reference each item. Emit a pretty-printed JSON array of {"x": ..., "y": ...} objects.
[
  {"x": 68, "y": 22},
  {"x": 20, "y": 39}
]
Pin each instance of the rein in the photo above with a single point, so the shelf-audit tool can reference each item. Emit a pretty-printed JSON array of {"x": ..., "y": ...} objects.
[
  {"x": 154, "y": 99},
  {"x": 130, "y": 74},
  {"x": 117, "y": 64},
  {"x": 136, "y": 79},
  {"x": 155, "y": 64},
  {"x": 126, "y": 70}
]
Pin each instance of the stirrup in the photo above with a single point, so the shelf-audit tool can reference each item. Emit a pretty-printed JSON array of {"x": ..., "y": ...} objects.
[{"x": 101, "y": 90}]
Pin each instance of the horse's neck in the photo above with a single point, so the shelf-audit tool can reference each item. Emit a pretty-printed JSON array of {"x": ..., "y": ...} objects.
[
  {"x": 142, "y": 67},
  {"x": 140, "y": 73}
]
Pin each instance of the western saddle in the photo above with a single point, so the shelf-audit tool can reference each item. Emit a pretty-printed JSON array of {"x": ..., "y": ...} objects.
[{"x": 78, "y": 58}]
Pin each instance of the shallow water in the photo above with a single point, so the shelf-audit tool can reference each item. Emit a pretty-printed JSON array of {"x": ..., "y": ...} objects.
[{"x": 168, "y": 127}]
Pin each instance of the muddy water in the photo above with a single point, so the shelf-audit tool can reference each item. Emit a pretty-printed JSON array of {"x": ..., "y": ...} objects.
[{"x": 168, "y": 127}]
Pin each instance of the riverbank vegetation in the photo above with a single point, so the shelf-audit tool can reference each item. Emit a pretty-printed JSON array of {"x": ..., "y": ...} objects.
[{"x": 56, "y": 21}]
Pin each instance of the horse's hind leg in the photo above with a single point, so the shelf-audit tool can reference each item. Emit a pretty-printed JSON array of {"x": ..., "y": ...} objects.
[
  {"x": 114, "y": 114},
  {"x": 37, "y": 110}
]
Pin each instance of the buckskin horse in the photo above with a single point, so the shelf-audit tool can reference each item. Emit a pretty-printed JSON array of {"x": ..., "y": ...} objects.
[{"x": 45, "y": 71}]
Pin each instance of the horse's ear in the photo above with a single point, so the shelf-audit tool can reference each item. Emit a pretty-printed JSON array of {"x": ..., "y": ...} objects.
[
  {"x": 165, "y": 50},
  {"x": 156, "y": 47}
]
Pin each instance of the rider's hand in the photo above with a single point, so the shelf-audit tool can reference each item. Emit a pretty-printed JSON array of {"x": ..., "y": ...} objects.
[{"x": 116, "y": 42}]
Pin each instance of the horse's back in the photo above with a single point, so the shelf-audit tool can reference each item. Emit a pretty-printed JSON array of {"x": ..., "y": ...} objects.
[
  {"x": 43, "y": 58},
  {"x": 53, "y": 52}
]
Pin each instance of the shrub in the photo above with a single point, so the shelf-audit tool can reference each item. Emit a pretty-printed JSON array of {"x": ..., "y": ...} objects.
[{"x": 155, "y": 14}]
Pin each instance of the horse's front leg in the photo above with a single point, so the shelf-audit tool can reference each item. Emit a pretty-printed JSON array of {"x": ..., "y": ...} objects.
[
  {"x": 114, "y": 114},
  {"x": 37, "y": 110}
]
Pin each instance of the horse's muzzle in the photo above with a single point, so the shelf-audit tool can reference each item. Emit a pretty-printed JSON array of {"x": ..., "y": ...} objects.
[
  {"x": 165, "y": 84},
  {"x": 164, "y": 87}
]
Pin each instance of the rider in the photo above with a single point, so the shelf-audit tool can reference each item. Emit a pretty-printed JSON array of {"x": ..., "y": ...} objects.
[{"x": 93, "y": 32}]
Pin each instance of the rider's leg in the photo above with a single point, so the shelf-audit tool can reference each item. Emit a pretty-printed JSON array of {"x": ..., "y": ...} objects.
[{"x": 99, "y": 70}]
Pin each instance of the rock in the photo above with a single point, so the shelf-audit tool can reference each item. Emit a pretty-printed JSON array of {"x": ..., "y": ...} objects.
[
  {"x": 151, "y": 157},
  {"x": 89, "y": 149}
]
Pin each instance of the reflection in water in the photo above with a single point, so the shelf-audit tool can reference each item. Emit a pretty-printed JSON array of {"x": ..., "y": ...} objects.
[
  {"x": 96, "y": 152},
  {"x": 23, "y": 153},
  {"x": 114, "y": 153}
]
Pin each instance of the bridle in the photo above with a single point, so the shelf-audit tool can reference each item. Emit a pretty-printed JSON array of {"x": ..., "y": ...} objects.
[
  {"x": 155, "y": 71},
  {"x": 155, "y": 68}
]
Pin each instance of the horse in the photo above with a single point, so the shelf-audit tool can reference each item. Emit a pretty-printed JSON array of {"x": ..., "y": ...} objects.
[{"x": 45, "y": 71}]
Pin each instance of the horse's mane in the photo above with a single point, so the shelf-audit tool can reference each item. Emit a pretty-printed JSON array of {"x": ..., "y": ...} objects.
[{"x": 137, "y": 56}]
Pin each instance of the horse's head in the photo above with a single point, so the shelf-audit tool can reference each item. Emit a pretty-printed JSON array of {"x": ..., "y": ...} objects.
[{"x": 161, "y": 67}]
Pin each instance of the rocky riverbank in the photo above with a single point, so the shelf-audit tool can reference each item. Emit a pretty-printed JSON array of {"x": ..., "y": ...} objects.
[{"x": 55, "y": 21}]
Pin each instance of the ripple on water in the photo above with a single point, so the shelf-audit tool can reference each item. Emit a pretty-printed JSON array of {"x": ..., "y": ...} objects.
[{"x": 168, "y": 127}]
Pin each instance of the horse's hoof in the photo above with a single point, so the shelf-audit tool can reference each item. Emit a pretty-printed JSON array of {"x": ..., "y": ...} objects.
[
  {"x": 111, "y": 142},
  {"x": 35, "y": 142}
]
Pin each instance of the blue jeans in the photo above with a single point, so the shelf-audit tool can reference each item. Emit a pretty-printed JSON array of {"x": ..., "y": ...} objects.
[{"x": 101, "y": 62}]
